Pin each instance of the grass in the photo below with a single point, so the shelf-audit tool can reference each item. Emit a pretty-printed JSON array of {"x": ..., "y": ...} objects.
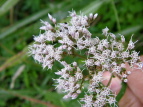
[{"x": 21, "y": 20}]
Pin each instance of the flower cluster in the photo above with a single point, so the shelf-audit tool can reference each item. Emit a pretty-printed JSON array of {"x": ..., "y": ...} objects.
[{"x": 100, "y": 55}]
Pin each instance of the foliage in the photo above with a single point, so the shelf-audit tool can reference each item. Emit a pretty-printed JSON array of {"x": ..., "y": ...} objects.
[{"x": 34, "y": 86}]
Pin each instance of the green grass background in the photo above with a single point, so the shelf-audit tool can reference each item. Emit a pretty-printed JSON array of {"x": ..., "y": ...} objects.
[{"x": 20, "y": 20}]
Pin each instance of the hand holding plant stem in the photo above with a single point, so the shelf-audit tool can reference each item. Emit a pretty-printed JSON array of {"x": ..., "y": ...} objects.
[
  {"x": 133, "y": 96},
  {"x": 96, "y": 57}
]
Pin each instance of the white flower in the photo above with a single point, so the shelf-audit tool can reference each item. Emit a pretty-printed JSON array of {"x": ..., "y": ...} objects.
[
  {"x": 125, "y": 54},
  {"x": 122, "y": 38},
  {"x": 131, "y": 44},
  {"x": 105, "y": 31},
  {"x": 40, "y": 38},
  {"x": 91, "y": 15},
  {"x": 74, "y": 63},
  {"x": 120, "y": 46},
  {"x": 128, "y": 72},
  {"x": 98, "y": 77},
  {"x": 113, "y": 54},
  {"x": 89, "y": 62},
  {"x": 112, "y": 101},
  {"x": 124, "y": 75},
  {"x": 100, "y": 47},
  {"x": 112, "y": 35},
  {"x": 74, "y": 40},
  {"x": 51, "y": 18},
  {"x": 74, "y": 96},
  {"x": 117, "y": 69},
  {"x": 106, "y": 52},
  {"x": 92, "y": 49},
  {"x": 125, "y": 80},
  {"x": 72, "y": 14},
  {"x": 50, "y": 36},
  {"x": 78, "y": 91},
  {"x": 47, "y": 26},
  {"x": 105, "y": 43},
  {"x": 78, "y": 75},
  {"x": 95, "y": 15}
]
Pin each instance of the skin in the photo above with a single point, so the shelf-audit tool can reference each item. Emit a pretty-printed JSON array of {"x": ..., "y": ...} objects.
[{"x": 133, "y": 96}]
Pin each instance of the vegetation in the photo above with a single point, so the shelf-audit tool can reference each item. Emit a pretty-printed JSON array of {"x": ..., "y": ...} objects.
[{"x": 23, "y": 83}]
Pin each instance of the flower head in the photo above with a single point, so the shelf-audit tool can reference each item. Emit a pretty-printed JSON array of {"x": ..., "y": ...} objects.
[{"x": 95, "y": 56}]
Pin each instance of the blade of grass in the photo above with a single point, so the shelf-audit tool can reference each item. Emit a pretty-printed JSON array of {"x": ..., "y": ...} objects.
[
  {"x": 6, "y": 49},
  {"x": 28, "y": 20},
  {"x": 130, "y": 30},
  {"x": 7, "y": 6},
  {"x": 16, "y": 75},
  {"x": 23, "y": 23},
  {"x": 13, "y": 60},
  {"x": 28, "y": 98},
  {"x": 93, "y": 6},
  {"x": 116, "y": 15}
]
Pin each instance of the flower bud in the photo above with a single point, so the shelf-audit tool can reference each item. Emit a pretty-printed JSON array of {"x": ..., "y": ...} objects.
[
  {"x": 50, "y": 17},
  {"x": 95, "y": 15},
  {"x": 91, "y": 15}
]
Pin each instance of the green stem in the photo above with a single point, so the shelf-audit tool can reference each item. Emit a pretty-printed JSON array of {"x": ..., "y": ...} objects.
[
  {"x": 116, "y": 15},
  {"x": 110, "y": 80},
  {"x": 79, "y": 56},
  {"x": 82, "y": 83},
  {"x": 75, "y": 54}
]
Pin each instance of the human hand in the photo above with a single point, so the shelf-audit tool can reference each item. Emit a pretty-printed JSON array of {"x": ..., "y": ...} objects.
[{"x": 133, "y": 96}]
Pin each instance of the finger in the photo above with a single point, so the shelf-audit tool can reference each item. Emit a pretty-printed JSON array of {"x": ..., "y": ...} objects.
[
  {"x": 115, "y": 84},
  {"x": 129, "y": 100},
  {"x": 135, "y": 82},
  {"x": 141, "y": 58}
]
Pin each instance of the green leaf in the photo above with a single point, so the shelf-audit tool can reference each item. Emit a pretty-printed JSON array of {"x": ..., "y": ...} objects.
[{"x": 122, "y": 92}]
